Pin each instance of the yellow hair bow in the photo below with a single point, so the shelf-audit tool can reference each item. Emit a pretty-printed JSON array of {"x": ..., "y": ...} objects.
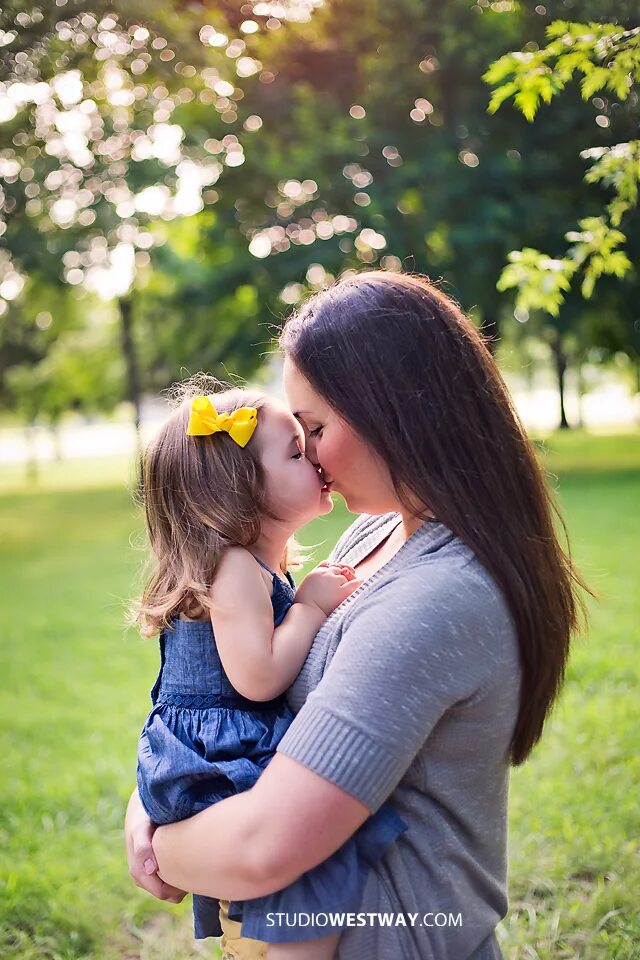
[{"x": 204, "y": 420}]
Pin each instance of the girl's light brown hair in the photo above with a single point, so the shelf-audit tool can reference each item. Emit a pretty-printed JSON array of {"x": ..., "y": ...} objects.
[
  {"x": 400, "y": 362},
  {"x": 200, "y": 496}
]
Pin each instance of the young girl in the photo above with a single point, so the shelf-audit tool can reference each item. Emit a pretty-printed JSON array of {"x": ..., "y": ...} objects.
[{"x": 226, "y": 483}]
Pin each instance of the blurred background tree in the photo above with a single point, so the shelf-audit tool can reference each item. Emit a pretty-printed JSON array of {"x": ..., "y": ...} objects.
[{"x": 200, "y": 168}]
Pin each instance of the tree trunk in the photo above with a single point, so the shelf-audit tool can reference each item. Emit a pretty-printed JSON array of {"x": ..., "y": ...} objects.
[
  {"x": 560, "y": 360},
  {"x": 581, "y": 391},
  {"x": 54, "y": 427},
  {"x": 131, "y": 363},
  {"x": 31, "y": 465}
]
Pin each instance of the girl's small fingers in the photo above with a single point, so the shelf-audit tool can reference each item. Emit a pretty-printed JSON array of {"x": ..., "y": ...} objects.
[{"x": 350, "y": 585}]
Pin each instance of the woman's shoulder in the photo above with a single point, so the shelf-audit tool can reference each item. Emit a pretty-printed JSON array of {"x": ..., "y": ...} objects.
[{"x": 437, "y": 577}]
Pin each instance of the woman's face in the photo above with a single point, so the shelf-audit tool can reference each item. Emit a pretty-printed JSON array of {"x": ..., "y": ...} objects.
[{"x": 349, "y": 466}]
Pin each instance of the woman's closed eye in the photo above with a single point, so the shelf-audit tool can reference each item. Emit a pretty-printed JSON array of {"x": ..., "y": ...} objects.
[{"x": 316, "y": 432}]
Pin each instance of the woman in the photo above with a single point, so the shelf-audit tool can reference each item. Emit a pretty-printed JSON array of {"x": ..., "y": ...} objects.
[{"x": 439, "y": 671}]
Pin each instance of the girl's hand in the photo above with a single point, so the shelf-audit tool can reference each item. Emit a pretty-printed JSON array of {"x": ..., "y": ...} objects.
[
  {"x": 342, "y": 568},
  {"x": 138, "y": 832},
  {"x": 327, "y": 586}
]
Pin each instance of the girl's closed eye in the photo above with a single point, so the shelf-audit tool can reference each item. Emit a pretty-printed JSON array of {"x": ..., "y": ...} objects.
[
  {"x": 298, "y": 446},
  {"x": 316, "y": 432}
]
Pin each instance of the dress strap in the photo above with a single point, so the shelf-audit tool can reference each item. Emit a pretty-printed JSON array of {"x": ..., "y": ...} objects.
[
  {"x": 263, "y": 564},
  {"x": 276, "y": 576}
]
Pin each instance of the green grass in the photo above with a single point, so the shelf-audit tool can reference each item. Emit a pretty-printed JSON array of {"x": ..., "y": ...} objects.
[{"x": 75, "y": 691}]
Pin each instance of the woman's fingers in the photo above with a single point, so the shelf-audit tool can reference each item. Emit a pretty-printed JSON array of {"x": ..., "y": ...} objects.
[
  {"x": 142, "y": 848},
  {"x": 157, "y": 887},
  {"x": 143, "y": 866}
]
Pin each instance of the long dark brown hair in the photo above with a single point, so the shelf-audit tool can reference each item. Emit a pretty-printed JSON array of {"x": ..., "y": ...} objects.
[
  {"x": 201, "y": 495},
  {"x": 401, "y": 363}
]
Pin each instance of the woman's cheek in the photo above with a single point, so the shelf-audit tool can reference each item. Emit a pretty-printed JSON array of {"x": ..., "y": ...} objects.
[
  {"x": 330, "y": 451},
  {"x": 323, "y": 456}
]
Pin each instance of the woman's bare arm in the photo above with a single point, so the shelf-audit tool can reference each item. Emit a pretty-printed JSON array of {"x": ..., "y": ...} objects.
[
  {"x": 138, "y": 832},
  {"x": 261, "y": 840}
]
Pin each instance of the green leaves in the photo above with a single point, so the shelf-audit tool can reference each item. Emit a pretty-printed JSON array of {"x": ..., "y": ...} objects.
[
  {"x": 616, "y": 167},
  {"x": 594, "y": 248},
  {"x": 542, "y": 282},
  {"x": 526, "y": 78},
  {"x": 607, "y": 56}
]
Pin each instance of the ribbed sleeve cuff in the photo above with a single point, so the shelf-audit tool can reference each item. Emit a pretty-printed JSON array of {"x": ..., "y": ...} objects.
[{"x": 339, "y": 752}]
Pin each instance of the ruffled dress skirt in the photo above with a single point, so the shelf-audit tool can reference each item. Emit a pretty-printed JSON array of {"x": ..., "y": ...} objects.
[{"x": 192, "y": 756}]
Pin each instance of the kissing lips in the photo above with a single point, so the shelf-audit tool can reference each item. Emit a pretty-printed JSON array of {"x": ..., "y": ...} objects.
[{"x": 327, "y": 485}]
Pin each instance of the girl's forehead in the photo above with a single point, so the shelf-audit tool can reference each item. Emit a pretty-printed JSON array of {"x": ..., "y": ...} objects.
[{"x": 276, "y": 423}]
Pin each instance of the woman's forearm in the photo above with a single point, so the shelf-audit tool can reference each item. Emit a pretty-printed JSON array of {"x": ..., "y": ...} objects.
[
  {"x": 262, "y": 840},
  {"x": 222, "y": 852}
]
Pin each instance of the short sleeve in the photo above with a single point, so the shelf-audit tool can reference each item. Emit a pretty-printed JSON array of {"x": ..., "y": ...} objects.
[{"x": 410, "y": 650}]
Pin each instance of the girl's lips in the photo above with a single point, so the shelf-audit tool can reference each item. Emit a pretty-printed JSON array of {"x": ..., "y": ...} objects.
[{"x": 327, "y": 487}]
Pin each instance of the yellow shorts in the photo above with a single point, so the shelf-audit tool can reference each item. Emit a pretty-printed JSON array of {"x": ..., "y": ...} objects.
[{"x": 233, "y": 945}]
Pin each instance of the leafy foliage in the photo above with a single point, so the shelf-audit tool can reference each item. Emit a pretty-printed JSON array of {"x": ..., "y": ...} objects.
[{"x": 607, "y": 58}]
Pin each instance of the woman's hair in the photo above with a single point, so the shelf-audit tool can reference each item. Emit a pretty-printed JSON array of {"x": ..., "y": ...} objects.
[
  {"x": 200, "y": 495},
  {"x": 399, "y": 361}
]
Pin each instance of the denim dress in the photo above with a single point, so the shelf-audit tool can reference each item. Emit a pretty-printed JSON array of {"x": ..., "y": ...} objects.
[{"x": 203, "y": 742}]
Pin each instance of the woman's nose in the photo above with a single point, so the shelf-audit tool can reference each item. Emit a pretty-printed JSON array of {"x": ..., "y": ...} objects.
[{"x": 310, "y": 451}]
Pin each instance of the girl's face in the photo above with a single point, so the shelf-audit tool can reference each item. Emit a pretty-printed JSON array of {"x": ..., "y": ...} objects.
[
  {"x": 295, "y": 489},
  {"x": 349, "y": 465}
]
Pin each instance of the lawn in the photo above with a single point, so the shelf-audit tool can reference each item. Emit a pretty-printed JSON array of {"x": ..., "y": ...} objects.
[{"x": 75, "y": 691}]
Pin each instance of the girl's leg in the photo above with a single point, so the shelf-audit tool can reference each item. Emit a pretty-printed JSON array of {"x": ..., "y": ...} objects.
[{"x": 324, "y": 948}]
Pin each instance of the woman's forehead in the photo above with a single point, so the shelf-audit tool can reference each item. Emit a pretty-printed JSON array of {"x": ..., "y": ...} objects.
[{"x": 303, "y": 399}]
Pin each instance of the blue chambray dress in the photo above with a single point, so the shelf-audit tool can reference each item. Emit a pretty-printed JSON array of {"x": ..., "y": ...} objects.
[{"x": 203, "y": 742}]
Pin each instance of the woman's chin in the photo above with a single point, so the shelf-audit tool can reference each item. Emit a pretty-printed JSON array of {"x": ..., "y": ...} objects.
[{"x": 326, "y": 503}]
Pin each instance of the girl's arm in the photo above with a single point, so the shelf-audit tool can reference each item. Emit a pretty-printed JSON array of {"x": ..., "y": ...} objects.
[
  {"x": 261, "y": 840},
  {"x": 260, "y": 661}
]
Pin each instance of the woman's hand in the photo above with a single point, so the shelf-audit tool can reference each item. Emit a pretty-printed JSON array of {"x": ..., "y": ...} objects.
[{"x": 138, "y": 831}]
